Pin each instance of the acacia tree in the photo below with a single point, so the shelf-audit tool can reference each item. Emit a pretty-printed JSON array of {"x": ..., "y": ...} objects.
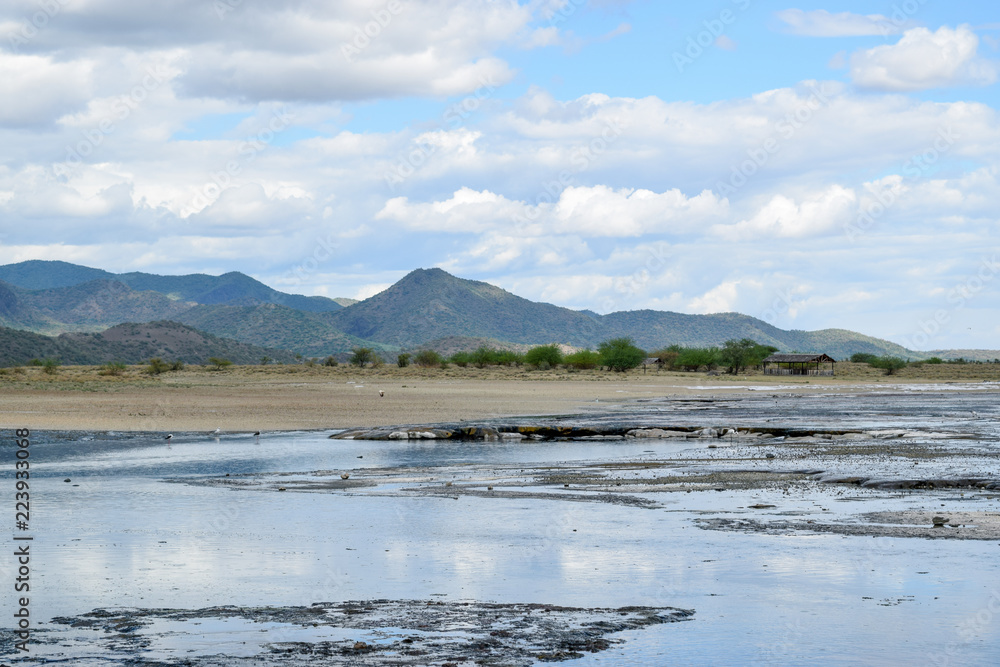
[
  {"x": 361, "y": 356},
  {"x": 889, "y": 364},
  {"x": 620, "y": 354}
]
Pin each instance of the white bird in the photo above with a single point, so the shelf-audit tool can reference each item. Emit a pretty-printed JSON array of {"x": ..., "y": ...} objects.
[
  {"x": 381, "y": 393},
  {"x": 169, "y": 437}
]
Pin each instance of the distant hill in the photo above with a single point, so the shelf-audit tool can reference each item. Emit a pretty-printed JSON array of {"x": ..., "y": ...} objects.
[
  {"x": 430, "y": 304},
  {"x": 310, "y": 334},
  {"x": 426, "y": 308},
  {"x": 131, "y": 343},
  {"x": 230, "y": 288}
]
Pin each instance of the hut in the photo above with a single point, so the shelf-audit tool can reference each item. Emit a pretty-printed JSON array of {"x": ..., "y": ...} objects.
[
  {"x": 655, "y": 362},
  {"x": 799, "y": 364}
]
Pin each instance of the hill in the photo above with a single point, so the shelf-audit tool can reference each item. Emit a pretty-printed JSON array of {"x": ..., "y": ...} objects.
[
  {"x": 430, "y": 304},
  {"x": 132, "y": 344},
  {"x": 232, "y": 288},
  {"x": 310, "y": 334}
]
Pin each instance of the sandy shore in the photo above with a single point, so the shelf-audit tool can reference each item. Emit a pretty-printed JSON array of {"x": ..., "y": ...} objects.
[{"x": 298, "y": 397}]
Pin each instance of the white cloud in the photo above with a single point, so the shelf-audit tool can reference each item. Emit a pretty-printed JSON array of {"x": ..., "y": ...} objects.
[
  {"x": 719, "y": 299},
  {"x": 596, "y": 211},
  {"x": 782, "y": 217},
  {"x": 923, "y": 59},
  {"x": 37, "y": 90},
  {"x": 821, "y": 23}
]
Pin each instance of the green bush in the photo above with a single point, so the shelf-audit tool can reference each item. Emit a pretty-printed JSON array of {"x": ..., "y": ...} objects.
[
  {"x": 620, "y": 354},
  {"x": 403, "y": 360},
  {"x": 863, "y": 358},
  {"x": 157, "y": 366},
  {"x": 583, "y": 359},
  {"x": 509, "y": 358},
  {"x": 889, "y": 364},
  {"x": 935, "y": 360},
  {"x": 693, "y": 358},
  {"x": 330, "y": 361},
  {"x": 50, "y": 366},
  {"x": 548, "y": 354},
  {"x": 460, "y": 359},
  {"x": 361, "y": 356},
  {"x": 427, "y": 359},
  {"x": 485, "y": 356},
  {"x": 264, "y": 361}
]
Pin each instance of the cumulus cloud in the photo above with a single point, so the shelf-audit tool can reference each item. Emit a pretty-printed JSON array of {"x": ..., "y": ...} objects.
[
  {"x": 594, "y": 211},
  {"x": 923, "y": 59},
  {"x": 821, "y": 23},
  {"x": 782, "y": 217},
  {"x": 37, "y": 90}
]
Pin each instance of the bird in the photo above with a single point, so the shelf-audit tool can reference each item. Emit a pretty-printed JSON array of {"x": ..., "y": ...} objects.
[
  {"x": 169, "y": 437},
  {"x": 344, "y": 475},
  {"x": 381, "y": 393},
  {"x": 256, "y": 437}
]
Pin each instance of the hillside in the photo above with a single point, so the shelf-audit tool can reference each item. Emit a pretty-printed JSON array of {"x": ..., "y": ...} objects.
[
  {"x": 230, "y": 288},
  {"x": 429, "y": 303},
  {"x": 131, "y": 343},
  {"x": 310, "y": 334}
]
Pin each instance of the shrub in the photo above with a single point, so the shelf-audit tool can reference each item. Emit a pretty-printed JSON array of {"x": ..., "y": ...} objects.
[
  {"x": 863, "y": 358},
  {"x": 935, "y": 360},
  {"x": 114, "y": 368},
  {"x": 361, "y": 356},
  {"x": 889, "y": 364},
  {"x": 264, "y": 361},
  {"x": 176, "y": 365},
  {"x": 330, "y": 361},
  {"x": 403, "y": 360},
  {"x": 485, "y": 356},
  {"x": 583, "y": 359},
  {"x": 35, "y": 362},
  {"x": 693, "y": 358},
  {"x": 509, "y": 358},
  {"x": 461, "y": 359},
  {"x": 547, "y": 354},
  {"x": 620, "y": 354},
  {"x": 427, "y": 359},
  {"x": 311, "y": 363},
  {"x": 219, "y": 364},
  {"x": 157, "y": 366},
  {"x": 377, "y": 361},
  {"x": 50, "y": 366}
]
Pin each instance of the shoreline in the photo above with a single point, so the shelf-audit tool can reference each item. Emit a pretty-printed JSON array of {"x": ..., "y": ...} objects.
[{"x": 294, "y": 398}]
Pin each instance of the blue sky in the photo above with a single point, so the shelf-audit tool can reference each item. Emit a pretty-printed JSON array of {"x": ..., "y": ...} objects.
[{"x": 812, "y": 164}]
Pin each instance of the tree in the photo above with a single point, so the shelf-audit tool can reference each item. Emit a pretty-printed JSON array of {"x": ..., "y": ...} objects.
[
  {"x": 50, "y": 366},
  {"x": 403, "y": 360},
  {"x": 583, "y": 359},
  {"x": 736, "y": 355},
  {"x": 330, "y": 361},
  {"x": 427, "y": 359},
  {"x": 863, "y": 358},
  {"x": 361, "y": 356},
  {"x": 620, "y": 354},
  {"x": 693, "y": 358},
  {"x": 264, "y": 361},
  {"x": 219, "y": 364},
  {"x": 889, "y": 364},
  {"x": 550, "y": 354}
]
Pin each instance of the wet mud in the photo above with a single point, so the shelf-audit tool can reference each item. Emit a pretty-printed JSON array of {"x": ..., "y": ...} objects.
[{"x": 374, "y": 632}]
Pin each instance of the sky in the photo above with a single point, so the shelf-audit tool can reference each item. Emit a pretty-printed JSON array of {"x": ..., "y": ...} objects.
[{"x": 815, "y": 165}]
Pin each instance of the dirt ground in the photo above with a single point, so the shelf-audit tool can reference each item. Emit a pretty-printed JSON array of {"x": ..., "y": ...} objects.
[{"x": 249, "y": 398}]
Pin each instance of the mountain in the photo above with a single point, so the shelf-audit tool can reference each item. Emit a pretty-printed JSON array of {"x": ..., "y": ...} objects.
[
  {"x": 131, "y": 343},
  {"x": 430, "y": 303},
  {"x": 310, "y": 334},
  {"x": 230, "y": 288}
]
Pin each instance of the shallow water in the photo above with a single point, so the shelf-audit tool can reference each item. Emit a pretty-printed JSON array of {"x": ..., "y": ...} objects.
[{"x": 120, "y": 534}]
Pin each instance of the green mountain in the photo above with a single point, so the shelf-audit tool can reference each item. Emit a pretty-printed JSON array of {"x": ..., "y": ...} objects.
[
  {"x": 430, "y": 304},
  {"x": 310, "y": 334},
  {"x": 230, "y": 288},
  {"x": 131, "y": 343}
]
